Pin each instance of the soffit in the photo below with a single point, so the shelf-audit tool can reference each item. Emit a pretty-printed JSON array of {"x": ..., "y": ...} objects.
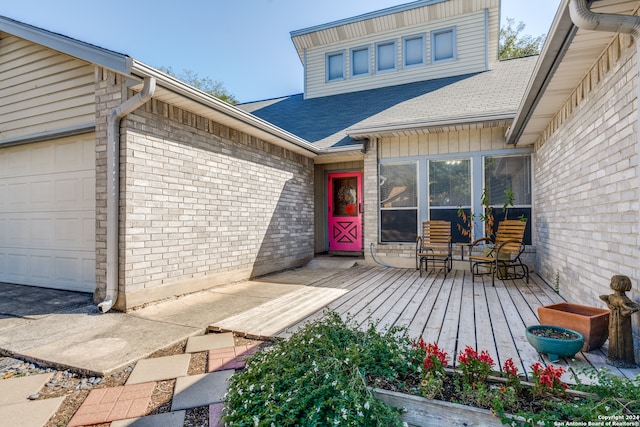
[
  {"x": 565, "y": 68},
  {"x": 389, "y": 19}
]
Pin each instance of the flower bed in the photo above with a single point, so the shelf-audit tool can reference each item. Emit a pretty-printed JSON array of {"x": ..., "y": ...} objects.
[{"x": 328, "y": 372}]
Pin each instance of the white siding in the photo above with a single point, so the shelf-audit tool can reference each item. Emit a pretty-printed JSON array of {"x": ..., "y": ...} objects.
[
  {"x": 463, "y": 141},
  {"x": 42, "y": 90},
  {"x": 471, "y": 54}
]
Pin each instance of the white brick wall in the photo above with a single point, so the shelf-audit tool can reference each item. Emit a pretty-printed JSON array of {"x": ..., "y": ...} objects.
[
  {"x": 586, "y": 192},
  {"x": 200, "y": 201},
  {"x": 198, "y": 204}
]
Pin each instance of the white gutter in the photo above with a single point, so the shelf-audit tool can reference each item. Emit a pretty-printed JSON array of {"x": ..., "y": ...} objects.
[
  {"x": 293, "y": 143},
  {"x": 113, "y": 187},
  {"x": 584, "y": 18},
  {"x": 363, "y": 132}
]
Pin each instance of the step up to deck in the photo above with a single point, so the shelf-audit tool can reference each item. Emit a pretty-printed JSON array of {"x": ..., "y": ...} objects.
[{"x": 267, "y": 319}]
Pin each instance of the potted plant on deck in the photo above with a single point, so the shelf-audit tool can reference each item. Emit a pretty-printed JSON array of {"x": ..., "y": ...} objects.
[
  {"x": 554, "y": 341},
  {"x": 591, "y": 322}
]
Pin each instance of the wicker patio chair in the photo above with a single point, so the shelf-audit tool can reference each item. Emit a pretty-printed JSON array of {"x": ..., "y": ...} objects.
[
  {"x": 503, "y": 258},
  {"x": 434, "y": 245}
]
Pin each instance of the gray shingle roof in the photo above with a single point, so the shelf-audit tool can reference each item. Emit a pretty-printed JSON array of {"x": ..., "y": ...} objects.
[{"x": 326, "y": 121}]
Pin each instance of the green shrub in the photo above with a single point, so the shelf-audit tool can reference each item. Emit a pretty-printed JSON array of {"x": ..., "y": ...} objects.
[{"x": 318, "y": 377}]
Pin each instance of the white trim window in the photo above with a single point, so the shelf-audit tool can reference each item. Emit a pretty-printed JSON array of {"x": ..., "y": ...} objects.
[
  {"x": 443, "y": 45},
  {"x": 413, "y": 50},
  {"x": 386, "y": 56},
  {"x": 335, "y": 66},
  {"x": 398, "y": 194},
  {"x": 360, "y": 61}
]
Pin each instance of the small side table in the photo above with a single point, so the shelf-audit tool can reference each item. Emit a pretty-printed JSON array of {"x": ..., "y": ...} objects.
[{"x": 462, "y": 248}]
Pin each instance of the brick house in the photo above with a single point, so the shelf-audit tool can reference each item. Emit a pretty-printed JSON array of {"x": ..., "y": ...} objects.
[
  {"x": 206, "y": 193},
  {"x": 407, "y": 115},
  {"x": 560, "y": 130},
  {"x": 413, "y": 104}
]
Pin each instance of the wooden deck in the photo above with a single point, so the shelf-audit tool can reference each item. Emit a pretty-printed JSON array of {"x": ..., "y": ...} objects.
[{"x": 452, "y": 311}]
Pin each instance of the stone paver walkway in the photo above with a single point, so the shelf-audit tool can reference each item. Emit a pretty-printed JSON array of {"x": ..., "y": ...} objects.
[
  {"x": 230, "y": 357},
  {"x": 160, "y": 368},
  {"x": 128, "y": 405},
  {"x": 114, "y": 403},
  {"x": 15, "y": 407}
]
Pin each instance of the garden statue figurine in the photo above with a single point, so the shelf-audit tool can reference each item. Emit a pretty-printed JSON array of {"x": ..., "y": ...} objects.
[{"x": 621, "y": 354}]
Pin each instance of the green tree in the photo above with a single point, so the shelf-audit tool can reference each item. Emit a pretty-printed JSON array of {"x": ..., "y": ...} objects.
[
  {"x": 513, "y": 44},
  {"x": 205, "y": 84}
]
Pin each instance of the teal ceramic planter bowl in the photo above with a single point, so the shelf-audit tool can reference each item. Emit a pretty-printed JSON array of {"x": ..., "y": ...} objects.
[{"x": 554, "y": 347}]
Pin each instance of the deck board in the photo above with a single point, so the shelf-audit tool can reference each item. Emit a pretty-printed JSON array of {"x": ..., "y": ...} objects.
[
  {"x": 403, "y": 303},
  {"x": 453, "y": 311},
  {"x": 448, "y": 338},
  {"x": 417, "y": 325},
  {"x": 467, "y": 321}
]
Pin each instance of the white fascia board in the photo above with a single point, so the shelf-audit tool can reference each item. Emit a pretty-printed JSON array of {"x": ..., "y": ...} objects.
[{"x": 67, "y": 45}]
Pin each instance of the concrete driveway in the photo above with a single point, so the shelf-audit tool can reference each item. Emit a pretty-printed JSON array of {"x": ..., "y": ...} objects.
[{"x": 64, "y": 329}]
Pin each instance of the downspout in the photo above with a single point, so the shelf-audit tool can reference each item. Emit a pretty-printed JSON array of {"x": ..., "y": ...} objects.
[
  {"x": 113, "y": 187},
  {"x": 585, "y": 19}
]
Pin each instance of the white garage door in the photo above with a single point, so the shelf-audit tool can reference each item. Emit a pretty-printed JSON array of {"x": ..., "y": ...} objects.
[{"x": 47, "y": 214}]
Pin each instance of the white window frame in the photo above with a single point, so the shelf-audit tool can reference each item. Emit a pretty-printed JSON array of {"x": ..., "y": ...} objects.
[
  {"x": 394, "y": 45},
  {"x": 416, "y": 208},
  {"x": 327, "y": 66},
  {"x": 423, "y": 43},
  {"x": 352, "y": 52},
  {"x": 434, "y": 35}
]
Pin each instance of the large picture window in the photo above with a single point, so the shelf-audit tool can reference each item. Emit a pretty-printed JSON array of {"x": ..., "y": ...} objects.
[
  {"x": 424, "y": 188},
  {"x": 398, "y": 202},
  {"x": 508, "y": 177},
  {"x": 449, "y": 190}
]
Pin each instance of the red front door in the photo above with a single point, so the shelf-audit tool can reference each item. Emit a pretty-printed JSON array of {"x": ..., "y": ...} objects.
[{"x": 345, "y": 211}]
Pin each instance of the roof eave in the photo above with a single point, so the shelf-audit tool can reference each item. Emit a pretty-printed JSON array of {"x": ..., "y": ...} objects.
[
  {"x": 354, "y": 152},
  {"x": 129, "y": 66},
  {"x": 383, "y": 130},
  {"x": 561, "y": 34},
  {"x": 366, "y": 16},
  {"x": 72, "y": 47},
  {"x": 265, "y": 130}
]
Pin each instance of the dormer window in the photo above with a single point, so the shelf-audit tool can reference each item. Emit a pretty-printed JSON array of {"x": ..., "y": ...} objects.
[
  {"x": 360, "y": 61},
  {"x": 335, "y": 66},
  {"x": 443, "y": 45},
  {"x": 414, "y": 50},
  {"x": 386, "y": 56}
]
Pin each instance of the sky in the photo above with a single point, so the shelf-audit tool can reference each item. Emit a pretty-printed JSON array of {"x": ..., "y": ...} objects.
[{"x": 245, "y": 44}]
